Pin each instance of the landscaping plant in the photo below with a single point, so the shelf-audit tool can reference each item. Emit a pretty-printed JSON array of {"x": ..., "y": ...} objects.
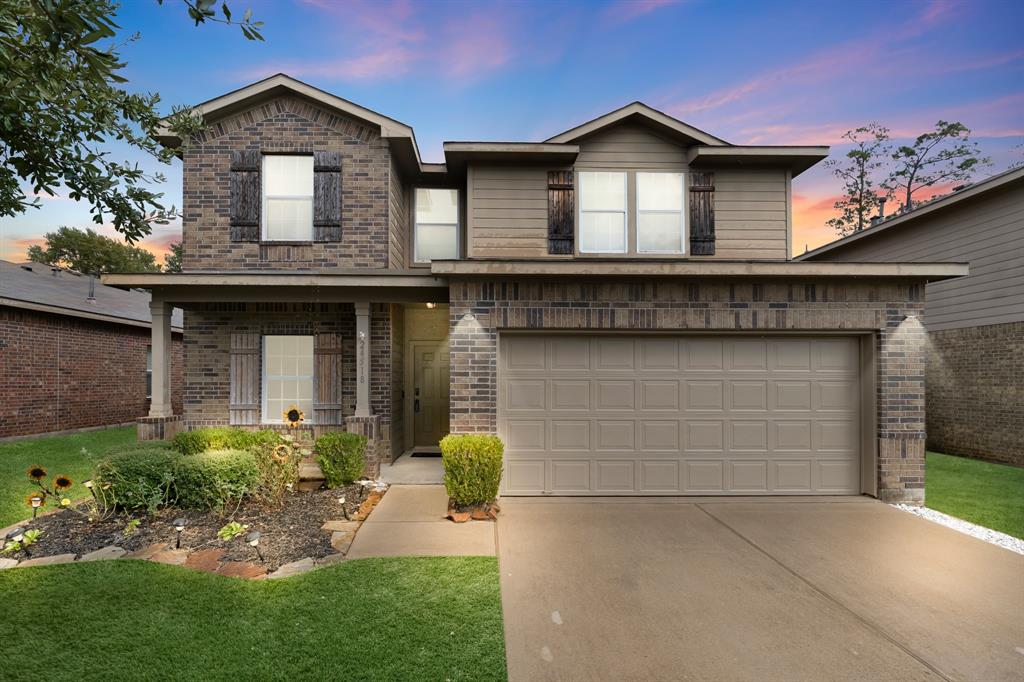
[
  {"x": 341, "y": 457},
  {"x": 279, "y": 469},
  {"x": 231, "y": 531},
  {"x": 139, "y": 477},
  {"x": 28, "y": 538},
  {"x": 472, "y": 468},
  {"x": 218, "y": 479},
  {"x": 222, "y": 438}
]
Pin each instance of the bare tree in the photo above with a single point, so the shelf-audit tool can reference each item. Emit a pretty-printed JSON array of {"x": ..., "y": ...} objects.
[
  {"x": 944, "y": 154},
  {"x": 861, "y": 197}
]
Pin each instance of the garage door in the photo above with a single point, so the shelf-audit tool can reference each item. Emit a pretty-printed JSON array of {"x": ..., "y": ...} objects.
[{"x": 664, "y": 415}]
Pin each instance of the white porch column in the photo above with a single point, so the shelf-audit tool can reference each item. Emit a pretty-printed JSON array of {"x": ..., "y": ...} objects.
[
  {"x": 362, "y": 359},
  {"x": 160, "y": 402}
]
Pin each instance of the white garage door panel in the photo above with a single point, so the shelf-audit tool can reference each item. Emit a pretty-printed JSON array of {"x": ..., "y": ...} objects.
[{"x": 603, "y": 415}]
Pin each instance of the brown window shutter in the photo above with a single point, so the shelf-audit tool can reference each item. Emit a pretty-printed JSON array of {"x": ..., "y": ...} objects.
[
  {"x": 327, "y": 375},
  {"x": 702, "y": 214},
  {"x": 561, "y": 211},
  {"x": 246, "y": 373},
  {"x": 245, "y": 196},
  {"x": 327, "y": 196}
]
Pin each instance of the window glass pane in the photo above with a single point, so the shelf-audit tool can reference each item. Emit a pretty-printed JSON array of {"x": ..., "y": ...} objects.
[
  {"x": 436, "y": 242},
  {"x": 659, "y": 232},
  {"x": 659, "y": 191},
  {"x": 288, "y": 175},
  {"x": 290, "y": 219},
  {"x": 602, "y": 191},
  {"x": 603, "y": 232},
  {"x": 288, "y": 375},
  {"x": 437, "y": 205}
]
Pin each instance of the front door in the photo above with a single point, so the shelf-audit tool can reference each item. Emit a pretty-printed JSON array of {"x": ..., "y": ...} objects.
[{"x": 430, "y": 393}]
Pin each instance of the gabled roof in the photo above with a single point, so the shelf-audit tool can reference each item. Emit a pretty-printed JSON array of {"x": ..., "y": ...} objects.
[
  {"x": 35, "y": 286},
  {"x": 998, "y": 181},
  {"x": 641, "y": 113}
]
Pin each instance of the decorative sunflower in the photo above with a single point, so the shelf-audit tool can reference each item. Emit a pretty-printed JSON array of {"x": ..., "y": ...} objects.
[
  {"x": 36, "y": 472},
  {"x": 294, "y": 416},
  {"x": 280, "y": 453},
  {"x": 35, "y": 496},
  {"x": 62, "y": 482}
]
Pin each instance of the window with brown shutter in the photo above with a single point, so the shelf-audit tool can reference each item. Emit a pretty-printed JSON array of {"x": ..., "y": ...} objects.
[
  {"x": 702, "y": 213},
  {"x": 327, "y": 196},
  {"x": 561, "y": 212},
  {"x": 244, "y": 212}
]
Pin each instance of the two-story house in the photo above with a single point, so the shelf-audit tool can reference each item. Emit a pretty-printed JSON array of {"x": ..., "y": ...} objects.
[{"x": 617, "y": 303}]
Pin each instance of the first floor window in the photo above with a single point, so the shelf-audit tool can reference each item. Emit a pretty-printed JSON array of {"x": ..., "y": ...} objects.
[
  {"x": 287, "y": 376},
  {"x": 602, "y": 212},
  {"x": 436, "y": 228},
  {"x": 659, "y": 212},
  {"x": 287, "y": 197},
  {"x": 149, "y": 373}
]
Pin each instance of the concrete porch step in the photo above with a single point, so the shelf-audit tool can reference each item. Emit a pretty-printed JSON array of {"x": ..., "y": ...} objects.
[{"x": 311, "y": 477}]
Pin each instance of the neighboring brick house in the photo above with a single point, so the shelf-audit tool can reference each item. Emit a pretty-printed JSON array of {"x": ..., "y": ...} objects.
[
  {"x": 617, "y": 303},
  {"x": 73, "y": 353},
  {"x": 975, "y": 379}
]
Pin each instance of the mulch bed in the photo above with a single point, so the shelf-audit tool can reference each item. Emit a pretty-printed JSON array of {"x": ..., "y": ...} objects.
[{"x": 288, "y": 533}]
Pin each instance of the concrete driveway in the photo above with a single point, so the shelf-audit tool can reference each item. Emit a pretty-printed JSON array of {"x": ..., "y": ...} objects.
[{"x": 742, "y": 589}]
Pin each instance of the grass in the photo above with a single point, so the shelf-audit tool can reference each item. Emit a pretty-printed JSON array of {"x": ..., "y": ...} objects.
[
  {"x": 990, "y": 495},
  {"x": 58, "y": 455},
  {"x": 370, "y": 619}
]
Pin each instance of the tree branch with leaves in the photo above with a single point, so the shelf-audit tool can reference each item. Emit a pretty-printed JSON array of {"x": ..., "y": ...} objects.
[
  {"x": 945, "y": 154},
  {"x": 861, "y": 197}
]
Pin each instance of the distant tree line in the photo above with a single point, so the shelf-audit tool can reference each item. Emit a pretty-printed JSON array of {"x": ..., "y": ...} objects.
[{"x": 91, "y": 253}]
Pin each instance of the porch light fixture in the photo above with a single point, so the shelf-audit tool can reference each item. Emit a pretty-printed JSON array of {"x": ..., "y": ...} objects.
[
  {"x": 179, "y": 526},
  {"x": 253, "y": 540},
  {"x": 431, "y": 306},
  {"x": 909, "y": 318},
  {"x": 36, "y": 501},
  {"x": 469, "y": 317}
]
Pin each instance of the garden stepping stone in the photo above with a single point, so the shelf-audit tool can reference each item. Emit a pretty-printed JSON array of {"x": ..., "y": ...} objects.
[
  {"x": 175, "y": 557},
  {"x": 48, "y": 560},
  {"x": 330, "y": 559},
  {"x": 341, "y": 525},
  {"x": 243, "y": 569},
  {"x": 7, "y": 563},
  {"x": 294, "y": 568},
  {"x": 111, "y": 552},
  {"x": 146, "y": 553},
  {"x": 341, "y": 540},
  {"x": 205, "y": 560}
]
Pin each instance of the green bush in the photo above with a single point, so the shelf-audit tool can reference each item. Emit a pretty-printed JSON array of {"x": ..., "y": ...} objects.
[
  {"x": 138, "y": 477},
  {"x": 472, "y": 468},
  {"x": 215, "y": 479},
  {"x": 222, "y": 438},
  {"x": 341, "y": 457}
]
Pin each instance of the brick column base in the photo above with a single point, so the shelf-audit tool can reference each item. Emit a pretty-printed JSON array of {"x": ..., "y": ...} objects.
[
  {"x": 369, "y": 427},
  {"x": 159, "y": 428},
  {"x": 901, "y": 470}
]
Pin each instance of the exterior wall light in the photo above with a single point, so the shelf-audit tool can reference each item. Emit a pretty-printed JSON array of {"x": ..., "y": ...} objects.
[
  {"x": 179, "y": 526},
  {"x": 469, "y": 317},
  {"x": 431, "y": 306}
]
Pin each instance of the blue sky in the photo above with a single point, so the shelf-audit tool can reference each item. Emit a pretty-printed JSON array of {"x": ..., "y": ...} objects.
[{"x": 766, "y": 73}]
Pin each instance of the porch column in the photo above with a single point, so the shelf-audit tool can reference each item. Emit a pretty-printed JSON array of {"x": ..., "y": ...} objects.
[
  {"x": 362, "y": 359},
  {"x": 160, "y": 402}
]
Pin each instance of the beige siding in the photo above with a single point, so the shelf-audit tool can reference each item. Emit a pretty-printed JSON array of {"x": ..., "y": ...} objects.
[
  {"x": 751, "y": 214},
  {"x": 398, "y": 219},
  {"x": 630, "y": 147},
  {"x": 987, "y": 232},
  {"x": 508, "y": 211}
]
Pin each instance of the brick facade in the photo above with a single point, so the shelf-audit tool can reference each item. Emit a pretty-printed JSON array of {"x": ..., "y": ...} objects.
[
  {"x": 975, "y": 389},
  {"x": 480, "y": 308},
  {"x": 208, "y": 330},
  {"x": 287, "y": 124},
  {"x": 61, "y": 373}
]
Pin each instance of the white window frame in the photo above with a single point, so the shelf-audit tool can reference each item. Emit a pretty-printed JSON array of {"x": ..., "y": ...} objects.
[
  {"x": 264, "y": 197},
  {"x": 264, "y": 418},
  {"x": 682, "y": 213},
  {"x": 625, "y": 211},
  {"x": 416, "y": 224}
]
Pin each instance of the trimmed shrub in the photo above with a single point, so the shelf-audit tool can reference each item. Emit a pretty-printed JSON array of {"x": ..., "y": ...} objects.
[
  {"x": 472, "y": 468},
  {"x": 215, "y": 479},
  {"x": 222, "y": 438},
  {"x": 341, "y": 457},
  {"x": 138, "y": 477}
]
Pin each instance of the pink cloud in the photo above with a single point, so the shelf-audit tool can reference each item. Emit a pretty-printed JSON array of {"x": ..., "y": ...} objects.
[{"x": 627, "y": 10}]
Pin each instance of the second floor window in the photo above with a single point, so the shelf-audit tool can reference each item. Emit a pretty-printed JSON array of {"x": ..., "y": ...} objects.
[
  {"x": 436, "y": 228},
  {"x": 287, "y": 197},
  {"x": 659, "y": 212},
  {"x": 602, "y": 212}
]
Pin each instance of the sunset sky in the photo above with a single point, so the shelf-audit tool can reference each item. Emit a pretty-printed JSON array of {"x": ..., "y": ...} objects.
[{"x": 771, "y": 73}]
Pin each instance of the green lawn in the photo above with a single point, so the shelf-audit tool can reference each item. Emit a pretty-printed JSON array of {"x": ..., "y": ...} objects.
[
  {"x": 370, "y": 619},
  {"x": 990, "y": 495},
  {"x": 59, "y": 455}
]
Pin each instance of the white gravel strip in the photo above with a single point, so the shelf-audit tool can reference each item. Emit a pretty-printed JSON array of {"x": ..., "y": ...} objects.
[{"x": 987, "y": 534}]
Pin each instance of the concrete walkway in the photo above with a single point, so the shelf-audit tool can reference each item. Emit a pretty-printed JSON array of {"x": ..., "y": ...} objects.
[
  {"x": 409, "y": 470},
  {"x": 410, "y": 521},
  {"x": 753, "y": 590}
]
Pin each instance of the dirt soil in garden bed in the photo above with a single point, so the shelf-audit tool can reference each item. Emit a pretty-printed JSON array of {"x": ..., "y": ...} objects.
[{"x": 288, "y": 533}]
